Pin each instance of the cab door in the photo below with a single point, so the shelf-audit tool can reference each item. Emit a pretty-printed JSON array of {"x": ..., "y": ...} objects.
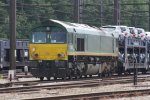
[{"x": 80, "y": 42}]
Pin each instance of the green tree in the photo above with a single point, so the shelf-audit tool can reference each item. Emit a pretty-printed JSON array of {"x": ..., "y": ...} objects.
[
  {"x": 31, "y": 13},
  {"x": 3, "y": 20},
  {"x": 63, "y": 9},
  {"x": 133, "y": 15}
]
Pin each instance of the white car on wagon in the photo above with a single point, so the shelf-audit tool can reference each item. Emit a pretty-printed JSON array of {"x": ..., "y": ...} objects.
[
  {"x": 117, "y": 31},
  {"x": 133, "y": 32},
  {"x": 141, "y": 33},
  {"x": 147, "y": 35}
]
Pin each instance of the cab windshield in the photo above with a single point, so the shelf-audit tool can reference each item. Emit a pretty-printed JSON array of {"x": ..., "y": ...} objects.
[{"x": 48, "y": 35}]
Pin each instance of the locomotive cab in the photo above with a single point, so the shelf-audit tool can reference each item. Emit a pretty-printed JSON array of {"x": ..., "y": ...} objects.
[
  {"x": 48, "y": 49},
  {"x": 48, "y": 43}
]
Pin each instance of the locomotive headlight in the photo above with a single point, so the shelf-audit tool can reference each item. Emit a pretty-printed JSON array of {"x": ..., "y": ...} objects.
[
  {"x": 35, "y": 55},
  {"x": 33, "y": 49},
  {"x": 61, "y": 55}
]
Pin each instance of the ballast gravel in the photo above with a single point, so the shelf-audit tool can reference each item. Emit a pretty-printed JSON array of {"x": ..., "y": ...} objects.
[
  {"x": 133, "y": 98},
  {"x": 82, "y": 90}
]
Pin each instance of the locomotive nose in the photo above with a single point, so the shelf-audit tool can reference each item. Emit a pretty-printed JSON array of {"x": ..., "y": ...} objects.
[{"x": 48, "y": 51}]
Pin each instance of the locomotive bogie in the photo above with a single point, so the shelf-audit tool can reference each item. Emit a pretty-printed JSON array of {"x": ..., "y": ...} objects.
[
  {"x": 50, "y": 69},
  {"x": 60, "y": 69}
]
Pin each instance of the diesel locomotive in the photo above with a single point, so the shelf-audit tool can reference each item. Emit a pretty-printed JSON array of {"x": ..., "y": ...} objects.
[{"x": 70, "y": 50}]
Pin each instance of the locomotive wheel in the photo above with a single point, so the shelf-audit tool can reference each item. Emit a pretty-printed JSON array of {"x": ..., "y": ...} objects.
[
  {"x": 90, "y": 76},
  {"x": 125, "y": 73},
  {"x": 103, "y": 74},
  {"x": 119, "y": 73},
  {"x": 129, "y": 72},
  {"x": 109, "y": 74},
  {"x": 77, "y": 77},
  {"x": 70, "y": 77},
  {"x": 99, "y": 75},
  {"x": 81, "y": 76},
  {"x": 55, "y": 78},
  {"x": 41, "y": 78},
  {"x": 85, "y": 76},
  {"x": 144, "y": 71},
  {"x": 64, "y": 78}
]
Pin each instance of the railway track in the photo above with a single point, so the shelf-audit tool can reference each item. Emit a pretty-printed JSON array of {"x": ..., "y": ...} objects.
[
  {"x": 18, "y": 75},
  {"x": 99, "y": 96},
  {"x": 36, "y": 82},
  {"x": 70, "y": 84}
]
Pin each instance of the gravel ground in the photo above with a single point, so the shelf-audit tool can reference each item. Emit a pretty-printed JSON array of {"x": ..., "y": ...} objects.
[
  {"x": 57, "y": 92},
  {"x": 133, "y": 98},
  {"x": 2, "y": 81}
]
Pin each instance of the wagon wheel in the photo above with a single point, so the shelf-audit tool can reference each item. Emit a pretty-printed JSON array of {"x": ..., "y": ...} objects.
[
  {"x": 70, "y": 74},
  {"x": 70, "y": 77},
  {"x": 85, "y": 76},
  {"x": 78, "y": 75},
  {"x": 144, "y": 71},
  {"x": 65, "y": 77},
  {"x": 41, "y": 78},
  {"x": 99, "y": 75},
  {"x": 55, "y": 78},
  {"x": 90, "y": 76}
]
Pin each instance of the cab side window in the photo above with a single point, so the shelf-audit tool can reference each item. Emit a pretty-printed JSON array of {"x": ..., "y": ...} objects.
[{"x": 80, "y": 44}]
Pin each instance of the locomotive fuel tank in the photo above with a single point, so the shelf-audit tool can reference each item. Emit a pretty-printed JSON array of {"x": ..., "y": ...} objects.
[{"x": 92, "y": 69}]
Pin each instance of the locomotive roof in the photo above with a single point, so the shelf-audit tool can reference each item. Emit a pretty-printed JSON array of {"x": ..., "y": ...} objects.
[
  {"x": 114, "y": 26},
  {"x": 79, "y": 28}
]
